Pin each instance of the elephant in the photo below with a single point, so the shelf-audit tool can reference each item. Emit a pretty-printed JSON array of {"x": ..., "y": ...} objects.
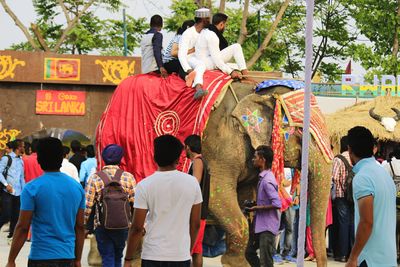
[{"x": 229, "y": 147}]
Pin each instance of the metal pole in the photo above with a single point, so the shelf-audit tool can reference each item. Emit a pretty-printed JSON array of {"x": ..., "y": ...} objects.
[
  {"x": 306, "y": 133},
  {"x": 258, "y": 30},
  {"x": 125, "y": 35}
]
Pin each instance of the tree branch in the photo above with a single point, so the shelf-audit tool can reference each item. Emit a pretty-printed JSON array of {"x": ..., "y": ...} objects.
[
  {"x": 19, "y": 24},
  {"x": 268, "y": 38},
  {"x": 243, "y": 28},
  {"x": 39, "y": 36},
  {"x": 222, "y": 6},
  {"x": 64, "y": 9},
  {"x": 71, "y": 25},
  {"x": 395, "y": 50}
]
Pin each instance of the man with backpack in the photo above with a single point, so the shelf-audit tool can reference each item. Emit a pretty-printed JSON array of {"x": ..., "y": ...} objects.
[
  {"x": 12, "y": 182},
  {"x": 199, "y": 169},
  {"x": 110, "y": 193},
  {"x": 343, "y": 210}
]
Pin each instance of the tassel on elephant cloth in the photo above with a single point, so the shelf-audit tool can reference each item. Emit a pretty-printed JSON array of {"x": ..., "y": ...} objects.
[{"x": 278, "y": 146}]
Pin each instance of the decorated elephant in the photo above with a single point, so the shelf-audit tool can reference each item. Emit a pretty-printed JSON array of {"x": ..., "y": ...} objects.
[
  {"x": 240, "y": 121},
  {"x": 229, "y": 142}
]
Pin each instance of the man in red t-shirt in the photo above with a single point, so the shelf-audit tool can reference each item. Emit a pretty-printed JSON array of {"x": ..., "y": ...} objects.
[{"x": 32, "y": 168}]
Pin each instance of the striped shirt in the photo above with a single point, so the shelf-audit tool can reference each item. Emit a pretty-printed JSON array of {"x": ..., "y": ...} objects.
[
  {"x": 95, "y": 185},
  {"x": 167, "y": 57},
  {"x": 339, "y": 174}
]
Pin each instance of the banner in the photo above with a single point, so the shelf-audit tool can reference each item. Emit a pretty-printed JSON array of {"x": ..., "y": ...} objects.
[{"x": 52, "y": 102}]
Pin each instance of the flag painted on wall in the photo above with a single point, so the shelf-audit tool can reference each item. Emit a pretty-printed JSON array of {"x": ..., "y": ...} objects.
[{"x": 62, "y": 69}]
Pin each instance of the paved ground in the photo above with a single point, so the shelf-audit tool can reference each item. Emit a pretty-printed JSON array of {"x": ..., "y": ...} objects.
[{"x": 23, "y": 256}]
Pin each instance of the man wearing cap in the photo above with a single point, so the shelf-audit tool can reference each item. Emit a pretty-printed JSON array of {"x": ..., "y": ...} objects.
[
  {"x": 212, "y": 49},
  {"x": 110, "y": 243},
  {"x": 190, "y": 65}
]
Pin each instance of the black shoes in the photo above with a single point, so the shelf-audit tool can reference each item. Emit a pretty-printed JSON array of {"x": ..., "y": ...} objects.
[{"x": 341, "y": 259}]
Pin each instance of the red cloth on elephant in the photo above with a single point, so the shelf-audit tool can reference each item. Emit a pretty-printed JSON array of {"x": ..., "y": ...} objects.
[
  {"x": 146, "y": 106},
  {"x": 278, "y": 164}
]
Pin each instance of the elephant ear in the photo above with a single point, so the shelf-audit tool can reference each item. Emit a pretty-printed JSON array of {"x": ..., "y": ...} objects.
[{"x": 254, "y": 114}]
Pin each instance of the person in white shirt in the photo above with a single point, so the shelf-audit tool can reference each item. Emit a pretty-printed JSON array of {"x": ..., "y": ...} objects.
[
  {"x": 67, "y": 167},
  {"x": 190, "y": 65},
  {"x": 392, "y": 166},
  {"x": 207, "y": 50},
  {"x": 170, "y": 202}
]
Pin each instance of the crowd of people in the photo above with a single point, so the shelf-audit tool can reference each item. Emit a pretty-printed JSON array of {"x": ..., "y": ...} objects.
[{"x": 169, "y": 208}]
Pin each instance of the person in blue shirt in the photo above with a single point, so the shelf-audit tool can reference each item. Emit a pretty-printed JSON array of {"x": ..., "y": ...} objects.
[
  {"x": 88, "y": 167},
  {"x": 53, "y": 204},
  {"x": 374, "y": 195},
  {"x": 13, "y": 185}
]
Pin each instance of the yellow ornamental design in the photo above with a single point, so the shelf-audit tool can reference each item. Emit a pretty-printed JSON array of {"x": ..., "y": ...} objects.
[
  {"x": 7, "y": 136},
  {"x": 8, "y": 65},
  {"x": 116, "y": 70}
]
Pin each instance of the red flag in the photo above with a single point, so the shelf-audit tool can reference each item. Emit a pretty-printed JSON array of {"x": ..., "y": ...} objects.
[{"x": 348, "y": 68}]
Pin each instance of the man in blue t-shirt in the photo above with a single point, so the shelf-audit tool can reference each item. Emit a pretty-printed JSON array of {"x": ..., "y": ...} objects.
[
  {"x": 54, "y": 205},
  {"x": 374, "y": 195}
]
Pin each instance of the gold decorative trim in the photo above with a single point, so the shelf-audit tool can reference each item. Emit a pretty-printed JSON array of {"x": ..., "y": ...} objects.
[
  {"x": 116, "y": 70},
  {"x": 8, "y": 65}
]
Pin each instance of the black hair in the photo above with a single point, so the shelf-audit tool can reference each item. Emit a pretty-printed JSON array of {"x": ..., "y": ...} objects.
[
  {"x": 90, "y": 151},
  {"x": 167, "y": 150},
  {"x": 344, "y": 143},
  {"x": 75, "y": 146},
  {"x": 395, "y": 153},
  {"x": 361, "y": 142},
  {"x": 50, "y": 153},
  {"x": 66, "y": 151},
  {"x": 218, "y": 18},
  {"x": 10, "y": 145},
  {"x": 185, "y": 25},
  {"x": 266, "y": 153},
  {"x": 27, "y": 147},
  {"x": 34, "y": 145},
  {"x": 156, "y": 21},
  {"x": 17, "y": 144},
  {"x": 194, "y": 143}
]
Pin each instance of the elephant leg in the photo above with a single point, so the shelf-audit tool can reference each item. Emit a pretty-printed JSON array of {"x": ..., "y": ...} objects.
[
  {"x": 319, "y": 188},
  {"x": 225, "y": 208}
]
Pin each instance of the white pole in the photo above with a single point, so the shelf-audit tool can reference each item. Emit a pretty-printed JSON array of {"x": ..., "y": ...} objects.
[{"x": 306, "y": 133}]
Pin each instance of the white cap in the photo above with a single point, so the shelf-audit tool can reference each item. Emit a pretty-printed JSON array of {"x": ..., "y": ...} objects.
[{"x": 202, "y": 13}]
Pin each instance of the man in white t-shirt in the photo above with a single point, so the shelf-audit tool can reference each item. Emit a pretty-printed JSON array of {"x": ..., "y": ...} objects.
[
  {"x": 170, "y": 202},
  {"x": 67, "y": 167}
]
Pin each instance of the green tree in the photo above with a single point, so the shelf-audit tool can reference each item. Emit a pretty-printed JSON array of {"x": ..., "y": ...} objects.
[
  {"x": 332, "y": 38},
  {"x": 379, "y": 22},
  {"x": 84, "y": 32}
]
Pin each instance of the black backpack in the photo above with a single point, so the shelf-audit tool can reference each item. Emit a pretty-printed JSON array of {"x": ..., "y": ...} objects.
[
  {"x": 113, "y": 207},
  {"x": 5, "y": 171},
  {"x": 348, "y": 184}
]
